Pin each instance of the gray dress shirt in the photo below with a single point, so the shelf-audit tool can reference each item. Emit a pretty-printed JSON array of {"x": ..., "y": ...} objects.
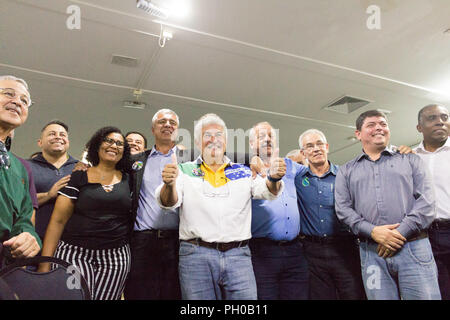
[{"x": 395, "y": 188}]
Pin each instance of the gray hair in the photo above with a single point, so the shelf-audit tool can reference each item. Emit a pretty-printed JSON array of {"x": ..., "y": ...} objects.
[
  {"x": 207, "y": 119},
  {"x": 19, "y": 80},
  {"x": 311, "y": 131},
  {"x": 252, "y": 132},
  {"x": 164, "y": 111}
]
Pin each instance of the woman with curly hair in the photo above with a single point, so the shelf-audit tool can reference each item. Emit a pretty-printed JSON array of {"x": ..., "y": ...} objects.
[{"x": 92, "y": 221}]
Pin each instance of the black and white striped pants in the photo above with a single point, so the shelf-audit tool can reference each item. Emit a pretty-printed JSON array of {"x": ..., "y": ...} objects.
[{"x": 105, "y": 270}]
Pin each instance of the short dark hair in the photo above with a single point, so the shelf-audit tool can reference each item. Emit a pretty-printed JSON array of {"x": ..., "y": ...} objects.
[
  {"x": 56, "y": 121},
  {"x": 137, "y": 132},
  {"x": 93, "y": 146},
  {"x": 368, "y": 114},
  {"x": 421, "y": 111}
]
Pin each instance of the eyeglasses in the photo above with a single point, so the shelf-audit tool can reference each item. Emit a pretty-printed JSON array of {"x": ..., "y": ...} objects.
[
  {"x": 110, "y": 142},
  {"x": 5, "y": 162},
  {"x": 311, "y": 146},
  {"x": 209, "y": 135},
  {"x": 211, "y": 192},
  {"x": 10, "y": 93}
]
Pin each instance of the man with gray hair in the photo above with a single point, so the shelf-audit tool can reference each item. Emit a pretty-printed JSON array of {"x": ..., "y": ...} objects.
[
  {"x": 279, "y": 263},
  {"x": 154, "y": 243},
  {"x": 330, "y": 248},
  {"x": 434, "y": 124},
  {"x": 214, "y": 196},
  {"x": 17, "y": 233}
]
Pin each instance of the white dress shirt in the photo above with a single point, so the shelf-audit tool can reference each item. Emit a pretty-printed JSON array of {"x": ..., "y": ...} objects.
[{"x": 438, "y": 163}]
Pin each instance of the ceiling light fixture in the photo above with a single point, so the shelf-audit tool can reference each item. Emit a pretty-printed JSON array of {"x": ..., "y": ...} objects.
[{"x": 151, "y": 8}]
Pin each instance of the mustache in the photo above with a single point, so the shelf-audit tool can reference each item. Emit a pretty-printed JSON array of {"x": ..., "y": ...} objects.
[{"x": 214, "y": 145}]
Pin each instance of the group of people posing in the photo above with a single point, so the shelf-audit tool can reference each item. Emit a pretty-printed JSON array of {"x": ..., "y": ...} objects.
[{"x": 154, "y": 223}]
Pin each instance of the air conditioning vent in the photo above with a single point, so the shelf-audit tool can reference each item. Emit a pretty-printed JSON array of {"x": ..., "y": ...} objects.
[
  {"x": 124, "y": 61},
  {"x": 347, "y": 104}
]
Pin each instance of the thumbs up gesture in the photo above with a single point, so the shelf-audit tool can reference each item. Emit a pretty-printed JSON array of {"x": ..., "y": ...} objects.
[
  {"x": 277, "y": 166},
  {"x": 170, "y": 171}
]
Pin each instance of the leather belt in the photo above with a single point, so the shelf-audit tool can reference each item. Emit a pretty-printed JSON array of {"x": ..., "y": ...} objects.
[
  {"x": 421, "y": 235},
  {"x": 161, "y": 234},
  {"x": 221, "y": 246},
  {"x": 326, "y": 240},
  {"x": 440, "y": 224},
  {"x": 274, "y": 242}
]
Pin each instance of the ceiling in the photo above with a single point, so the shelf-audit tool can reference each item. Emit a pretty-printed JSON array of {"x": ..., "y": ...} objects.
[{"x": 247, "y": 61}]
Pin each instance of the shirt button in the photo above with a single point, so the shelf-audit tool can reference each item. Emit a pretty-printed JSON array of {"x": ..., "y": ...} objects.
[
  {"x": 320, "y": 206},
  {"x": 320, "y": 191},
  {"x": 321, "y": 220},
  {"x": 325, "y": 235}
]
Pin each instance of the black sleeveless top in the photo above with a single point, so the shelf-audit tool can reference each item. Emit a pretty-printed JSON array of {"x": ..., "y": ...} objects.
[{"x": 101, "y": 220}]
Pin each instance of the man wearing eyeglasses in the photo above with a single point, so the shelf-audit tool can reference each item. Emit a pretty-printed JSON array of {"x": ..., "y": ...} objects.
[
  {"x": 214, "y": 196},
  {"x": 330, "y": 248},
  {"x": 434, "y": 124},
  {"x": 16, "y": 230},
  {"x": 51, "y": 170}
]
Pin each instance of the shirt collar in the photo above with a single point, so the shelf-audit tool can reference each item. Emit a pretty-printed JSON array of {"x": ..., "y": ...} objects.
[
  {"x": 421, "y": 147},
  {"x": 386, "y": 151},
  {"x": 227, "y": 160},
  {"x": 154, "y": 151},
  {"x": 332, "y": 170}
]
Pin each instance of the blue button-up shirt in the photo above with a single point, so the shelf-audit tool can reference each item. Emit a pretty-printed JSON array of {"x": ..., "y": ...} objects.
[
  {"x": 149, "y": 214},
  {"x": 315, "y": 197},
  {"x": 279, "y": 219},
  {"x": 396, "y": 188}
]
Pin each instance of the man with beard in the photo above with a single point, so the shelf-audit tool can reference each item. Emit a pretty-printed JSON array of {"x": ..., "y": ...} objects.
[
  {"x": 434, "y": 124},
  {"x": 51, "y": 170},
  {"x": 17, "y": 233},
  {"x": 214, "y": 196}
]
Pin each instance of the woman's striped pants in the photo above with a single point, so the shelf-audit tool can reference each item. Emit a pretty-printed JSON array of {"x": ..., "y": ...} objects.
[{"x": 105, "y": 270}]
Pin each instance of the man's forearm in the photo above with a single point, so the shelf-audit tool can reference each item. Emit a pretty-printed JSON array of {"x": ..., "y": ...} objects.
[
  {"x": 274, "y": 187},
  {"x": 43, "y": 198},
  {"x": 169, "y": 196}
]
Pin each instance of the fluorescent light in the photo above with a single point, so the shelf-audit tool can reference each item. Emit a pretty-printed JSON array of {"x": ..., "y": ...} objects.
[{"x": 179, "y": 8}]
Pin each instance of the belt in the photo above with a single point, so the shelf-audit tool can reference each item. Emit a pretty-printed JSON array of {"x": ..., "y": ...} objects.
[
  {"x": 421, "y": 235},
  {"x": 221, "y": 246},
  {"x": 274, "y": 242},
  {"x": 160, "y": 234},
  {"x": 440, "y": 224},
  {"x": 326, "y": 240}
]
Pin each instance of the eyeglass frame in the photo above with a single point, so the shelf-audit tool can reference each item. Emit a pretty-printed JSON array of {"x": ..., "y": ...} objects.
[
  {"x": 30, "y": 103},
  {"x": 110, "y": 142},
  {"x": 322, "y": 145}
]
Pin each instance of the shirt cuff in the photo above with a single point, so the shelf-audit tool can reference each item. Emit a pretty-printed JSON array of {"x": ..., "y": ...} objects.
[
  {"x": 365, "y": 229},
  {"x": 405, "y": 230}
]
